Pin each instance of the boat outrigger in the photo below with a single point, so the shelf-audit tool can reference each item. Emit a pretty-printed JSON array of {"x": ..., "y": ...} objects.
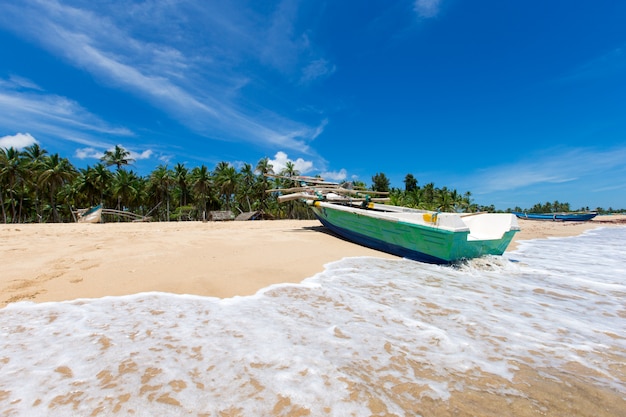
[{"x": 422, "y": 235}]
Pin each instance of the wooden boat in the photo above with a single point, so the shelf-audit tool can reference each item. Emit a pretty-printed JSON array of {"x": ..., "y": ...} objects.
[
  {"x": 559, "y": 217},
  {"x": 92, "y": 215},
  {"x": 421, "y": 235}
]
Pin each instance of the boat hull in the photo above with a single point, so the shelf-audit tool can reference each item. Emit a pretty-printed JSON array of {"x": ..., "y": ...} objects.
[
  {"x": 93, "y": 215},
  {"x": 414, "y": 241}
]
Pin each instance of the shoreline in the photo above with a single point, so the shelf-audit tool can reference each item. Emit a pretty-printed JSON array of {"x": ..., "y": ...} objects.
[{"x": 67, "y": 261}]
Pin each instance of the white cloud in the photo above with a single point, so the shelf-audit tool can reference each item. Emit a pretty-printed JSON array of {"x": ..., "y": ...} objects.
[
  {"x": 142, "y": 155},
  {"x": 91, "y": 153},
  {"x": 17, "y": 141},
  {"x": 335, "y": 175},
  {"x": 280, "y": 162},
  {"x": 427, "y": 8},
  {"x": 166, "y": 159}
]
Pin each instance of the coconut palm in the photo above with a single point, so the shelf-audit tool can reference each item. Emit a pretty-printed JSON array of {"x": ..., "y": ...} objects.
[
  {"x": 126, "y": 188},
  {"x": 180, "y": 176},
  {"x": 161, "y": 181},
  {"x": 86, "y": 191},
  {"x": 380, "y": 182},
  {"x": 55, "y": 173},
  {"x": 293, "y": 207},
  {"x": 443, "y": 200},
  {"x": 263, "y": 168},
  {"x": 12, "y": 175},
  {"x": 225, "y": 178},
  {"x": 410, "y": 183},
  {"x": 118, "y": 157},
  {"x": 245, "y": 188},
  {"x": 34, "y": 157},
  {"x": 201, "y": 184},
  {"x": 102, "y": 179}
]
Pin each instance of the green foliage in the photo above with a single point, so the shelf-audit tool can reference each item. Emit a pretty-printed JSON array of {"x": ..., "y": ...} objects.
[
  {"x": 38, "y": 187},
  {"x": 380, "y": 183},
  {"x": 430, "y": 197}
]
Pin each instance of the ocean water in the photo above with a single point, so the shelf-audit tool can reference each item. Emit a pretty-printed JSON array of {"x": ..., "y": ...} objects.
[{"x": 539, "y": 331}]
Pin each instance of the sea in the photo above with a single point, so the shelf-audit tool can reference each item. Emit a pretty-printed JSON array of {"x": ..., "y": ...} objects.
[{"x": 540, "y": 331}]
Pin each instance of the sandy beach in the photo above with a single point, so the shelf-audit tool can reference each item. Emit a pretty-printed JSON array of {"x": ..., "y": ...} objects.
[
  {"x": 406, "y": 338},
  {"x": 56, "y": 262}
]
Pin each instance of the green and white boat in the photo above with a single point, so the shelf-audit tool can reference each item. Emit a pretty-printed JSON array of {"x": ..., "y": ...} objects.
[{"x": 422, "y": 235}]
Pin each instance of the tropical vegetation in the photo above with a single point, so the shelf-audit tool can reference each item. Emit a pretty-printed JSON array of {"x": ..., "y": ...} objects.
[{"x": 36, "y": 186}]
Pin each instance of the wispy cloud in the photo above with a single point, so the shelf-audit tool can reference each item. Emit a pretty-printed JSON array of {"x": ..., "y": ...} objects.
[
  {"x": 167, "y": 54},
  {"x": 555, "y": 166},
  {"x": 427, "y": 8},
  {"x": 317, "y": 69},
  {"x": 35, "y": 110}
]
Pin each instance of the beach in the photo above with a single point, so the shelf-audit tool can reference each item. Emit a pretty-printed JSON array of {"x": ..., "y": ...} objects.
[
  {"x": 57, "y": 262},
  {"x": 280, "y": 318}
]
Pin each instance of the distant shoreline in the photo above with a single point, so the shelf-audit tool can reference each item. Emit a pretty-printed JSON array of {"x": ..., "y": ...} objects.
[
  {"x": 538, "y": 229},
  {"x": 66, "y": 261}
]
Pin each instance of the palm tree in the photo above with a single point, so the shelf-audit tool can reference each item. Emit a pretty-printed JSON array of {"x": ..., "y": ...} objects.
[
  {"x": 264, "y": 167},
  {"x": 85, "y": 187},
  {"x": 225, "y": 179},
  {"x": 118, "y": 157},
  {"x": 201, "y": 185},
  {"x": 180, "y": 176},
  {"x": 56, "y": 172},
  {"x": 291, "y": 171},
  {"x": 12, "y": 174},
  {"x": 467, "y": 202},
  {"x": 245, "y": 189},
  {"x": 34, "y": 156},
  {"x": 380, "y": 182},
  {"x": 126, "y": 188},
  {"x": 102, "y": 179},
  {"x": 443, "y": 200},
  {"x": 161, "y": 181},
  {"x": 34, "y": 153},
  {"x": 428, "y": 196},
  {"x": 410, "y": 183}
]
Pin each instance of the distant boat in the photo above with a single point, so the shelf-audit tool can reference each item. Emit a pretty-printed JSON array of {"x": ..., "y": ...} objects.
[
  {"x": 558, "y": 217},
  {"x": 92, "y": 215}
]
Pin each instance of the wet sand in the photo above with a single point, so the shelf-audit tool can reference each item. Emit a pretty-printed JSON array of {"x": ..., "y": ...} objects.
[{"x": 56, "y": 262}]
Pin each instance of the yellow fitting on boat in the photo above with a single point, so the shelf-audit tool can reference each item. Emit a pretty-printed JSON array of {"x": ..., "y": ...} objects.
[
  {"x": 370, "y": 205},
  {"x": 316, "y": 204},
  {"x": 430, "y": 217}
]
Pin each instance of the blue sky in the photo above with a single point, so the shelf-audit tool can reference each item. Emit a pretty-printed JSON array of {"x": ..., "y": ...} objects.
[{"x": 516, "y": 102}]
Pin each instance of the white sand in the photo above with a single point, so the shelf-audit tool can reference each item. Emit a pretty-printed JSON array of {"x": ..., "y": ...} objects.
[{"x": 54, "y": 262}]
